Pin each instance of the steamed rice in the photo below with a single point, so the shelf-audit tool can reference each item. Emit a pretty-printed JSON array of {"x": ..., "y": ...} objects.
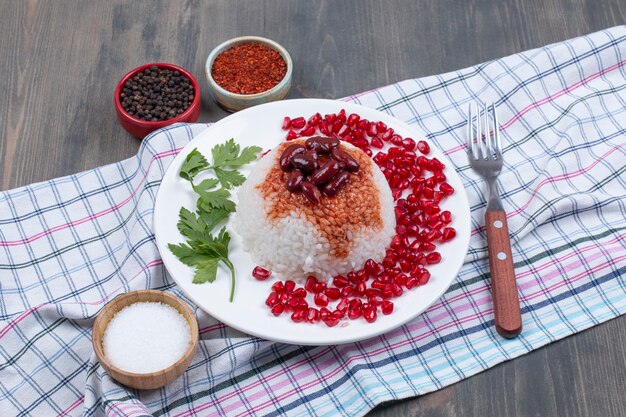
[{"x": 295, "y": 242}]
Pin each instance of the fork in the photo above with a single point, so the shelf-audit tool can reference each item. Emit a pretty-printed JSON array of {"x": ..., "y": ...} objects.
[{"x": 484, "y": 151}]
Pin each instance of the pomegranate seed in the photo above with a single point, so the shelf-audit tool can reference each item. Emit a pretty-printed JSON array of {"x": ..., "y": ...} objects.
[
  {"x": 423, "y": 277},
  {"x": 405, "y": 265},
  {"x": 310, "y": 283},
  {"x": 272, "y": 299},
  {"x": 427, "y": 246},
  {"x": 361, "y": 275},
  {"x": 298, "y": 122},
  {"x": 386, "y": 307},
  {"x": 278, "y": 309},
  {"x": 331, "y": 321},
  {"x": 353, "y": 277},
  {"x": 397, "y": 290},
  {"x": 439, "y": 176},
  {"x": 401, "y": 229},
  {"x": 446, "y": 189},
  {"x": 323, "y": 126},
  {"x": 361, "y": 143},
  {"x": 355, "y": 302},
  {"x": 286, "y": 123},
  {"x": 337, "y": 126},
  {"x": 379, "y": 285},
  {"x": 377, "y": 143},
  {"x": 423, "y": 147},
  {"x": 433, "y": 235},
  {"x": 324, "y": 313},
  {"x": 340, "y": 281},
  {"x": 369, "y": 313},
  {"x": 433, "y": 258},
  {"x": 294, "y": 303},
  {"x": 330, "y": 118},
  {"x": 371, "y": 129},
  {"x": 380, "y": 158},
  {"x": 354, "y": 313},
  {"x": 437, "y": 197},
  {"x": 309, "y": 131},
  {"x": 389, "y": 262},
  {"x": 368, "y": 152},
  {"x": 375, "y": 300},
  {"x": 313, "y": 315},
  {"x": 428, "y": 192},
  {"x": 400, "y": 279},
  {"x": 291, "y": 135},
  {"x": 298, "y": 316},
  {"x": 381, "y": 127},
  {"x": 321, "y": 299},
  {"x": 278, "y": 287},
  {"x": 284, "y": 297},
  {"x": 353, "y": 119},
  {"x": 387, "y": 135},
  {"x": 448, "y": 234},
  {"x": 397, "y": 242},
  {"x": 360, "y": 288},
  {"x": 299, "y": 293},
  {"x": 387, "y": 293},
  {"x": 412, "y": 282},
  {"x": 319, "y": 287},
  {"x": 341, "y": 116},
  {"x": 445, "y": 217},
  {"x": 314, "y": 120},
  {"x": 343, "y": 305},
  {"x": 408, "y": 144},
  {"x": 396, "y": 140},
  {"x": 289, "y": 286},
  {"x": 332, "y": 293},
  {"x": 347, "y": 291},
  {"x": 370, "y": 292}
]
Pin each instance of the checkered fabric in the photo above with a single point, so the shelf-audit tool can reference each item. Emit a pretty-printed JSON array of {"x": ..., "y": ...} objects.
[{"x": 69, "y": 245}]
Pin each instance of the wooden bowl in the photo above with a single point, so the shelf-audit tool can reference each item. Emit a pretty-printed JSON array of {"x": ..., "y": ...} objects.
[{"x": 153, "y": 379}]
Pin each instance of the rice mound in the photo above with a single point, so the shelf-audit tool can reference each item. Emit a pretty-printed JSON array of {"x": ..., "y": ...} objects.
[{"x": 293, "y": 244}]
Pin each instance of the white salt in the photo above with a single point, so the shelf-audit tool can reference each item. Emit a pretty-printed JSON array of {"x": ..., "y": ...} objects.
[{"x": 146, "y": 337}]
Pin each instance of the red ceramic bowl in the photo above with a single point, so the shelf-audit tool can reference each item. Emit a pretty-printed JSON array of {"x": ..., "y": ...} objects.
[{"x": 141, "y": 128}]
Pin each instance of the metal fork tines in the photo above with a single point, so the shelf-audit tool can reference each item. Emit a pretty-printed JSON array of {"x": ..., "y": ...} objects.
[{"x": 484, "y": 151}]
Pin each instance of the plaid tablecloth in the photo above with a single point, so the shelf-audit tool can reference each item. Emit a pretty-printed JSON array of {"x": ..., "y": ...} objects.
[{"x": 69, "y": 245}]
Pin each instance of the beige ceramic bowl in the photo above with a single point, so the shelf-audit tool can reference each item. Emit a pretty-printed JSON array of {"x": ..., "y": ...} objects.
[
  {"x": 153, "y": 379},
  {"x": 235, "y": 102}
]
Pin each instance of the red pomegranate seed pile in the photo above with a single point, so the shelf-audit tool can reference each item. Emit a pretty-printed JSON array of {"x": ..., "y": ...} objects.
[{"x": 418, "y": 186}]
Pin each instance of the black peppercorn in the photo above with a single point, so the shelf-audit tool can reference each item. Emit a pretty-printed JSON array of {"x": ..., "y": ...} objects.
[{"x": 156, "y": 94}]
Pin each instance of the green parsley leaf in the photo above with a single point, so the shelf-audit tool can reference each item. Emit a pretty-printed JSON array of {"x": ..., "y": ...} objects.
[
  {"x": 229, "y": 178},
  {"x": 186, "y": 254},
  {"x": 217, "y": 199},
  {"x": 202, "y": 250},
  {"x": 213, "y": 217},
  {"x": 206, "y": 271},
  {"x": 193, "y": 164},
  {"x": 190, "y": 225},
  {"x": 227, "y": 154}
]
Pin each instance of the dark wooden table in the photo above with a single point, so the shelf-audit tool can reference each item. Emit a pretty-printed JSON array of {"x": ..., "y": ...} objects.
[{"x": 61, "y": 60}]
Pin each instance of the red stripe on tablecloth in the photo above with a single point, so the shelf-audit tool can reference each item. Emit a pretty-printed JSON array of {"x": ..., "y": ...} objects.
[{"x": 96, "y": 215}]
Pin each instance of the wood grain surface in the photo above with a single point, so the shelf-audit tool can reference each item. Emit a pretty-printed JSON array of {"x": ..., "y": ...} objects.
[{"x": 61, "y": 60}]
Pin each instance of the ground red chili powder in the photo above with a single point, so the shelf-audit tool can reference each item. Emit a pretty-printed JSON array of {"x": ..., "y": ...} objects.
[{"x": 248, "y": 68}]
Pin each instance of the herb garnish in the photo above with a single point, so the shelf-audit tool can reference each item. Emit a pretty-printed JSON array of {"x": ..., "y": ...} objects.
[{"x": 202, "y": 250}]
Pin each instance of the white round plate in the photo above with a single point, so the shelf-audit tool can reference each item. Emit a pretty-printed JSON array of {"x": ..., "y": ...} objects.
[{"x": 261, "y": 125}]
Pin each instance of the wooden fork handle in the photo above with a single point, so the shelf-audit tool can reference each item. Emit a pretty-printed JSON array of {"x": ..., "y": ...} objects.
[{"x": 504, "y": 288}]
